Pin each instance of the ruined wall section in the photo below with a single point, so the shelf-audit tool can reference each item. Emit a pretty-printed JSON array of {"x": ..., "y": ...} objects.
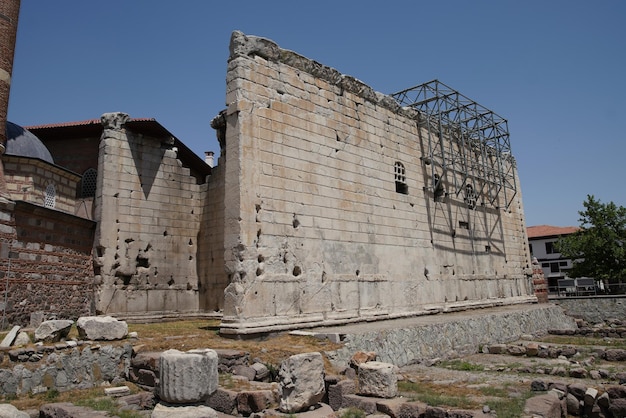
[
  {"x": 45, "y": 260},
  {"x": 149, "y": 207},
  {"x": 317, "y": 231},
  {"x": 211, "y": 270}
]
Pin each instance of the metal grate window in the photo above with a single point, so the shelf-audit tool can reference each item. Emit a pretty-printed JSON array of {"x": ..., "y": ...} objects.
[
  {"x": 50, "y": 196},
  {"x": 88, "y": 186},
  {"x": 400, "y": 177}
]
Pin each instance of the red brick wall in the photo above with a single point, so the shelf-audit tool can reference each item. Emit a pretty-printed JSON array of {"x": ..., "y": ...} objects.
[{"x": 50, "y": 267}]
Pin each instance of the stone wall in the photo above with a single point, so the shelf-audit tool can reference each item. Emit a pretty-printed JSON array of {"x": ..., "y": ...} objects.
[
  {"x": 64, "y": 367},
  {"x": 211, "y": 271},
  {"x": 407, "y": 342},
  {"x": 594, "y": 309},
  {"x": 27, "y": 179},
  {"x": 316, "y": 230},
  {"x": 47, "y": 264},
  {"x": 149, "y": 209}
]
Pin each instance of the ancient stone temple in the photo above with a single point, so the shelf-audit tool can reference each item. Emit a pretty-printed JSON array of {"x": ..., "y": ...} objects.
[
  {"x": 330, "y": 203},
  {"x": 343, "y": 204}
]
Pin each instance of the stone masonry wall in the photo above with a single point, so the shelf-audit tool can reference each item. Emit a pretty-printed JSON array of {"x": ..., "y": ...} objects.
[
  {"x": 27, "y": 179},
  {"x": 149, "y": 207},
  {"x": 595, "y": 309},
  {"x": 315, "y": 229},
  {"x": 48, "y": 265},
  {"x": 211, "y": 271}
]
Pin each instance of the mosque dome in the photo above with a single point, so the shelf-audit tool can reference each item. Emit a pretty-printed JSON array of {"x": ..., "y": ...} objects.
[{"x": 23, "y": 143}]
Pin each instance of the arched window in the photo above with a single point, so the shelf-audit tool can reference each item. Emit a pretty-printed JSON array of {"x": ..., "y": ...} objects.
[
  {"x": 88, "y": 183},
  {"x": 400, "y": 177},
  {"x": 50, "y": 196}
]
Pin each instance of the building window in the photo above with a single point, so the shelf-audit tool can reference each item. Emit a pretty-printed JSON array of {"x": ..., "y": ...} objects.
[
  {"x": 463, "y": 225},
  {"x": 50, "y": 196},
  {"x": 470, "y": 197},
  {"x": 554, "y": 268},
  {"x": 551, "y": 248},
  {"x": 88, "y": 183},
  {"x": 400, "y": 177}
]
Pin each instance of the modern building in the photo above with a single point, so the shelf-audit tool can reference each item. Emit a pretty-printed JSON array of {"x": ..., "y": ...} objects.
[{"x": 542, "y": 241}]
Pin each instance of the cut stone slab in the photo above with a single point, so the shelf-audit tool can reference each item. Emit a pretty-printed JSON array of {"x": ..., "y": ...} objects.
[
  {"x": 301, "y": 379},
  {"x": 54, "y": 330},
  {"x": 377, "y": 379},
  {"x": 98, "y": 328},
  {"x": 547, "y": 406},
  {"x": 66, "y": 409},
  {"x": 168, "y": 411},
  {"x": 10, "y": 337},
  {"x": 187, "y": 377}
]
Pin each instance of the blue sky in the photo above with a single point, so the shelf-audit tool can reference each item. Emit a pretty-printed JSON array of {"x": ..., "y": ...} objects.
[{"x": 554, "y": 69}]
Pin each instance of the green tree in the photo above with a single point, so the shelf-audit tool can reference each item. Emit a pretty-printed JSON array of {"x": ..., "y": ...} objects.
[{"x": 599, "y": 247}]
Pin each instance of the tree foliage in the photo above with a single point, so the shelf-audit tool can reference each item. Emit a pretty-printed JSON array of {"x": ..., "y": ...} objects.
[{"x": 599, "y": 247}]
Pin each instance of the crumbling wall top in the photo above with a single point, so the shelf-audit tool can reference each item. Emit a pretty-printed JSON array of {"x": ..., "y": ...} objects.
[{"x": 242, "y": 45}]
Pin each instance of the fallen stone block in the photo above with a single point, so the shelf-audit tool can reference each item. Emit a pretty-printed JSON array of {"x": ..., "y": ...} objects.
[
  {"x": 245, "y": 371},
  {"x": 546, "y": 406},
  {"x": 9, "y": 411},
  {"x": 337, "y": 392},
  {"x": 8, "y": 339},
  {"x": 22, "y": 339},
  {"x": 261, "y": 371},
  {"x": 615, "y": 354},
  {"x": 53, "y": 331},
  {"x": 255, "y": 401},
  {"x": 117, "y": 391},
  {"x": 377, "y": 379},
  {"x": 187, "y": 377},
  {"x": 99, "y": 328},
  {"x": 301, "y": 379},
  {"x": 168, "y": 411},
  {"x": 67, "y": 410},
  {"x": 223, "y": 400},
  {"x": 363, "y": 403}
]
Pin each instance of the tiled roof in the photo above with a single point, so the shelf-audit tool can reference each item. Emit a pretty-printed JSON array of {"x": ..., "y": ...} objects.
[{"x": 549, "y": 231}]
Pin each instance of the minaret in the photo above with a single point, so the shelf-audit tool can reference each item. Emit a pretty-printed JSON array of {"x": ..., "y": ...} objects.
[{"x": 9, "y": 12}]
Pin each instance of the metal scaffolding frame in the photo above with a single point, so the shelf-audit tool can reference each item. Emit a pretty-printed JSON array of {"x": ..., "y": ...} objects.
[{"x": 468, "y": 147}]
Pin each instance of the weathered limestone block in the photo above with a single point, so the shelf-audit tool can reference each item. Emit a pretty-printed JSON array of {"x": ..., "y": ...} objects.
[
  {"x": 21, "y": 339},
  {"x": 168, "y": 411},
  {"x": 187, "y": 377},
  {"x": 53, "y": 331},
  {"x": 338, "y": 391},
  {"x": 223, "y": 400},
  {"x": 377, "y": 379},
  {"x": 9, "y": 411},
  {"x": 250, "y": 401},
  {"x": 66, "y": 409},
  {"x": 301, "y": 379},
  {"x": 101, "y": 328},
  {"x": 547, "y": 406}
]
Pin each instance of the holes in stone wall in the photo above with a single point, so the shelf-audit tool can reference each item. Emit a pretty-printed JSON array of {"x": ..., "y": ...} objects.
[
  {"x": 164, "y": 233},
  {"x": 297, "y": 271},
  {"x": 171, "y": 281},
  {"x": 295, "y": 222}
]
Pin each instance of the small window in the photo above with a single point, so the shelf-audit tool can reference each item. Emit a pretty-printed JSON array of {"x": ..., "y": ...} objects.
[
  {"x": 88, "y": 183},
  {"x": 550, "y": 248},
  {"x": 488, "y": 249},
  {"x": 545, "y": 265},
  {"x": 554, "y": 268},
  {"x": 463, "y": 225},
  {"x": 50, "y": 196},
  {"x": 470, "y": 197},
  {"x": 438, "y": 190},
  {"x": 400, "y": 177},
  {"x": 563, "y": 263}
]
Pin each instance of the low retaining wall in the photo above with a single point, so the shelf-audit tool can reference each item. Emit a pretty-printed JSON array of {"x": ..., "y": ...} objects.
[
  {"x": 593, "y": 309},
  {"x": 449, "y": 335},
  {"x": 64, "y": 367}
]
